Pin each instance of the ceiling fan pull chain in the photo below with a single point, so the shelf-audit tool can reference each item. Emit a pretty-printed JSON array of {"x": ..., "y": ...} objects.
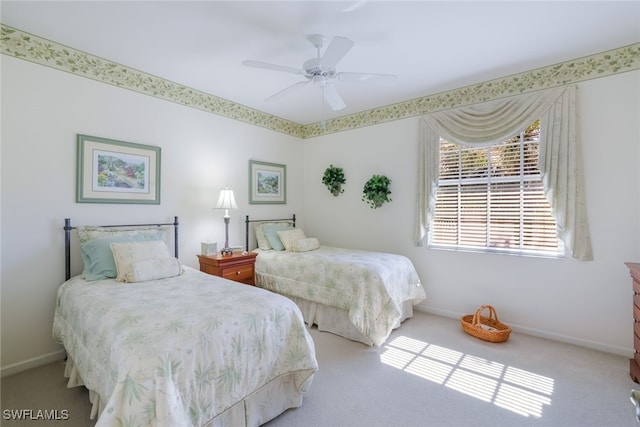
[{"x": 323, "y": 122}]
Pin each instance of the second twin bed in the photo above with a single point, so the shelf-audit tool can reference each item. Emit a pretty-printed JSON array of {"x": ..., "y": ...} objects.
[{"x": 360, "y": 295}]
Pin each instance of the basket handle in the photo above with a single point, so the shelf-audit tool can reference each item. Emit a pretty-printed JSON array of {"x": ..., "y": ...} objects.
[{"x": 492, "y": 314}]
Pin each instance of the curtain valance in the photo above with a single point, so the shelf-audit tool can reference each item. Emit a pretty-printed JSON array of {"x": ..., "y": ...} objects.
[{"x": 491, "y": 122}]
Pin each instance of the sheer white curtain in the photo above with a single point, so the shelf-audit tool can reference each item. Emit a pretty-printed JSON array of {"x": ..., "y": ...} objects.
[{"x": 488, "y": 123}]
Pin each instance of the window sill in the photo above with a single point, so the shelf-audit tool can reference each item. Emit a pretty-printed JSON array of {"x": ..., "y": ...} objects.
[{"x": 514, "y": 252}]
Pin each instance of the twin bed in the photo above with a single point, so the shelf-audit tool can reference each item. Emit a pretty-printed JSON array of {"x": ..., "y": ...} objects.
[
  {"x": 360, "y": 295},
  {"x": 159, "y": 343},
  {"x": 170, "y": 345}
]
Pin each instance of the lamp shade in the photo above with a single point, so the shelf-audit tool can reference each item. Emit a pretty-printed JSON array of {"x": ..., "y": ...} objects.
[{"x": 226, "y": 199}]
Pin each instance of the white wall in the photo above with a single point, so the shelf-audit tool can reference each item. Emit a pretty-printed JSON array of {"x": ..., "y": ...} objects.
[
  {"x": 42, "y": 111},
  {"x": 586, "y": 303}
]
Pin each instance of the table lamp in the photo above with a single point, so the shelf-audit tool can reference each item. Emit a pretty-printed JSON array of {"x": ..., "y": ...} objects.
[{"x": 226, "y": 201}]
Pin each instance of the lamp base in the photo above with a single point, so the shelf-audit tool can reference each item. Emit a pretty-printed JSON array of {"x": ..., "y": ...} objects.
[{"x": 226, "y": 251}]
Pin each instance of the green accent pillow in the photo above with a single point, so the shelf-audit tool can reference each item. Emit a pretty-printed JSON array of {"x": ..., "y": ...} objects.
[
  {"x": 97, "y": 256},
  {"x": 271, "y": 234}
]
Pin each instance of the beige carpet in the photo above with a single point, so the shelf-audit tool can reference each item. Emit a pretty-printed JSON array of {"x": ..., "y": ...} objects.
[{"x": 429, "y": 373}]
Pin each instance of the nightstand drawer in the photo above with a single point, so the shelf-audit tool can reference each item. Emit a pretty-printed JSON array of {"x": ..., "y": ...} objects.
[
  {"x": 238, "y": 273},
  {"x": 237, "y": 266}
]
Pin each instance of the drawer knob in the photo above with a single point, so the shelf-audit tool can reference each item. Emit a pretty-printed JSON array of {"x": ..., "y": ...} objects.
[{"x": 237, "y": 272}]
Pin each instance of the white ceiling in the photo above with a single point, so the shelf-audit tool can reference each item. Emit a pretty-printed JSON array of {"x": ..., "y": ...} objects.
[{"x": 432, "y": 46}]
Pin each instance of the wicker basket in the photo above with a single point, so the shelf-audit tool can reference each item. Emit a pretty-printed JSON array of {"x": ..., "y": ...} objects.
[{"x": 486, "y": 328}]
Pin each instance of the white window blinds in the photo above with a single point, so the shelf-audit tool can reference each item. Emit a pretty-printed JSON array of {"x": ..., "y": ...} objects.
[{"x": 492, "y": 198}]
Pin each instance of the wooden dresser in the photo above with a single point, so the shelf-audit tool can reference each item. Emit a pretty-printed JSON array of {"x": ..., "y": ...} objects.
[
  {"x": 237, "y": 266},
  {"x": 634, "y": 363}
]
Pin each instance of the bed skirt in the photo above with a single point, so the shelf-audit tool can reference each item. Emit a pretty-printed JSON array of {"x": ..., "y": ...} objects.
[
  {"x": 336, "y": 320},
  {"x": 281, "y": 394}
]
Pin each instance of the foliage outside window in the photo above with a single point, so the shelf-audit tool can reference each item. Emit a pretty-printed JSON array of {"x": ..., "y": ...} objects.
[{"x": 491, "y": 199}]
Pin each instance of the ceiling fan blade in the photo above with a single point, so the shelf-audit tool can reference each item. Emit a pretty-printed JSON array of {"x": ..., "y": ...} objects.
[
  {"x": 274, "y": 67},
  {"x": 333, "y": 98},
  {"x": 286, "y": 91},
  {"x": 367, "y": 77},
  {"x": 354, "y": 6},
  {"x": 336, "y": 51}
]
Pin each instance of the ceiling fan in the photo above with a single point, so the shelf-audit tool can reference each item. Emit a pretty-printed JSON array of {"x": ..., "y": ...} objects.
[{"x": 321, "y": 71}]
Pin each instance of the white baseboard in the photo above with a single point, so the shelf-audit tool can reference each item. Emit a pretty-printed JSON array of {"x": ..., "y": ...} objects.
[
  {"x": 34, "y": 362},
  {"x": 620, "y": 351}
]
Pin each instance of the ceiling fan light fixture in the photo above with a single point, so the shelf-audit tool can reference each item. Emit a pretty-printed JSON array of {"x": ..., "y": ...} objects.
[{"x": 314, "y": 67}]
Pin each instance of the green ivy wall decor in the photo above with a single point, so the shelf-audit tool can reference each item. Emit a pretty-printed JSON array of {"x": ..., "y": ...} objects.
[
  {"x": 333, "y": 179},
  {"x": 376, "y": 191}
]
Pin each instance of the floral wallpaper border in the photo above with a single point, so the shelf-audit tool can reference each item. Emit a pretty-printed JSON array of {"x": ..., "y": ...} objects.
[
  {"x": 595, "y": 66},
  {"x": 32, "y": 48}
]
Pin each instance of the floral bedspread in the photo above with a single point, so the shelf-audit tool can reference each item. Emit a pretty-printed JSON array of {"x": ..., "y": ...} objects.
[
  {"x": 179, "y": 351},
  {"x": 370, "y": 286}
]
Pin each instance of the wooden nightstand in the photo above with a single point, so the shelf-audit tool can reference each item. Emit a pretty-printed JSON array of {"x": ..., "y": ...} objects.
[{"x": 237, "y": 266}]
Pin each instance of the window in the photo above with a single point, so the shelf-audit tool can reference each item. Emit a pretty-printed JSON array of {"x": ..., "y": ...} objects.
[{"x": 491, "y": 199}]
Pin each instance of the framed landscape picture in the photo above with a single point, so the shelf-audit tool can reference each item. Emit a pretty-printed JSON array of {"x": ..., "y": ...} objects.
[
  {"x": 267, "y": 183},
  {"x": 110, "y": 171}
]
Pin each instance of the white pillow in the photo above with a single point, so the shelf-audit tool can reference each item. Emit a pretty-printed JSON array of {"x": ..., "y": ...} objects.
[
  {"x": 152, "y": 269},
  {"x": 287, "y": 237},
  {"x": 304, "y": 245},
  {"x": 127, "y": 253}
]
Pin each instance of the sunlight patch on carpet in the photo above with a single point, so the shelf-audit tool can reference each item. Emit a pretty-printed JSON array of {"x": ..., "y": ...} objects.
[{"x": 519, "y": 391}]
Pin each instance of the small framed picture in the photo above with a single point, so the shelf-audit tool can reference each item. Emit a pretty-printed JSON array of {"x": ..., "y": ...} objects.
[
  {"x": 267, "y": 183},
  {"x": 110, "y": 171}
]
